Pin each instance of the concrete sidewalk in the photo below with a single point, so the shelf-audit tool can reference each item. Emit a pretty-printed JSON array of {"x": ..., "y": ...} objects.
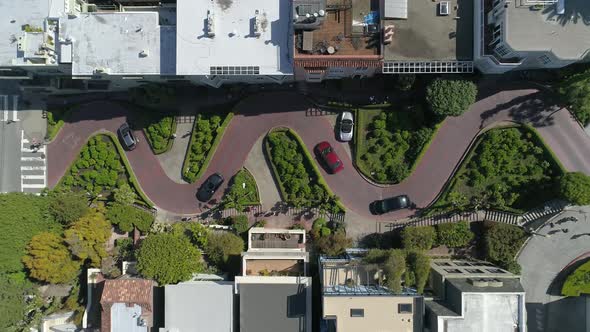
[
  {"x": 172, "y": 160},
  {"x": 259, "y": 168}
]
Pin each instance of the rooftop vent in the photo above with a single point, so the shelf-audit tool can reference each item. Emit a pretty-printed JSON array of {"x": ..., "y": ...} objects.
[
  {"x": 210, "y": 24},
  {"x": 486, "y": 282}
]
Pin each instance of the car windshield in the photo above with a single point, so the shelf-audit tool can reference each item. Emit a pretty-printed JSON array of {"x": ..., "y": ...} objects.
[
  {"x": 392, "y": 204},
  {"x": 326, "y": 151},
  {"x": 336, "y": 164},
  {"x": 127, "y": 138},
  {"x": 346, "y": 126}
]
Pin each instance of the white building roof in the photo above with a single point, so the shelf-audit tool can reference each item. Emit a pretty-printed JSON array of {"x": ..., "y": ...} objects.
[
  {"x": 120, "y": 43},
  {"x": 14, "y": 15},
  {"x": 234, "y": 44}
]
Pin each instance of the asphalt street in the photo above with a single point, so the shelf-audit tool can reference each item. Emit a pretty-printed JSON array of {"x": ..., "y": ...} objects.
[{"x": 22, "y": 169}]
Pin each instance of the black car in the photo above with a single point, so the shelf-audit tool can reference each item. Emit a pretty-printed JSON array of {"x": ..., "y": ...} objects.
[
  {"x": 126, "y": 136},
  {"x": 208, "y": 188},
  {"x": 390, "y": 204}
]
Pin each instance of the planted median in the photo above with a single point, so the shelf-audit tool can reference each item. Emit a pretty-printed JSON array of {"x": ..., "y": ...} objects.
[{"x": 299, "y": 179}]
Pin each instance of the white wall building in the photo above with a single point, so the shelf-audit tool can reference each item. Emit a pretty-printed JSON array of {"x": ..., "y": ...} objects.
[{"x": 530, "y": 34}]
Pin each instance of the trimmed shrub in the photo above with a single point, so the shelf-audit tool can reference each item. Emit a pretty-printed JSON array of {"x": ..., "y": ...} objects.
[
  {"x": 450, "y": 97},
  {"x": 418, "y": 238},
  {"x": 454, "y": 235}
]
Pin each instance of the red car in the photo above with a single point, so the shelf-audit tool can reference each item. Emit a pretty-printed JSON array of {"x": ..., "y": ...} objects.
[{"x": 328, "y": 156}]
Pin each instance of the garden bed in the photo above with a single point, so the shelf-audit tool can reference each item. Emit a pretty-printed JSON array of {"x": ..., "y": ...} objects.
[
  {"x": 158, "y": 126},
  {"x": 55, "y": 121},
  {"x": 300, "y": 181},
  {"x": 102, "y": 167},
  {"x": 208, "y": 131},
  {"x": 243, "y": 188},
  {"x": 578, "y": 282},
  {"x": 388, "y": 143},
  {"x": 508, "y": 169}
]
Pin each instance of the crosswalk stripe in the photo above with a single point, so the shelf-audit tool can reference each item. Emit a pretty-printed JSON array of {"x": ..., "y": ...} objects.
[
  {"x": 41, "y": 149},
  {"x": 32, "y": 159},
  {"x": 14, "y": 107},
  {"x": 32, "y": 168},
  {"x": 34, "y": 185},
  {"x": 33, "y": 177}
]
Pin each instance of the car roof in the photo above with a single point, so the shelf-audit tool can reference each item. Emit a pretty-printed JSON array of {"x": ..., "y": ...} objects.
[
  {"x": 346, "y": 115},
  {"x": 332, "y": 157}
]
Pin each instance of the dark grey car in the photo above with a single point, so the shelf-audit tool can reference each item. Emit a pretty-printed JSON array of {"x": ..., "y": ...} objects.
[
  {"x": 208, "y": 188},
  {"x": 126, "y": 136},
  {"x": 390, "y": 204}
]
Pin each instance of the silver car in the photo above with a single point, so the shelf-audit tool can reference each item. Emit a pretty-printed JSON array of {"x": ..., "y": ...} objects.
[{"x": 346, "y": 125}]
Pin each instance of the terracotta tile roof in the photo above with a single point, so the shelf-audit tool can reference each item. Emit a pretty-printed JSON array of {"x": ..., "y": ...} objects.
[
  {"x": 128, "y": 291},
  {"x": 138, "y": 291}
]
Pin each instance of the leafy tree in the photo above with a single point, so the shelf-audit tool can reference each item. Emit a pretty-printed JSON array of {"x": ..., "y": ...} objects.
[
  {"x": 168, "y": 258},
  {"x": 418, "y": 238},
  {"x": 450, "y": 97},
  {"x": 333, "y": 244},
  {"x": 21, "y": 217},
  {"x": 195, "y": 232},
  {"x": 502, "y": 242},
  {"x": 454, "y": 235},
  {"x": 13, "y": 306},
  {"x": 576, "y": 92},
  {"x": 575, "y": 187},
  {"x": 49, "y": 260},
  {"x": 126, "y": 217},
  {"x": 239, "y": 223},
  {"x": 124, "y": 195},
  {"x": 420, "y": 265},
  {"x": 87, "y": 237},
  {"x": 222, "y": 249},
  {"x": 394, "y": 268},
  {"x": 320, "y": 228},
  {"x": 67, "y": 206}
]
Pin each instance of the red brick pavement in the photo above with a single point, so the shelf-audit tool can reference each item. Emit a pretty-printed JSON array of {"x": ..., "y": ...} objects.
[{"x": 259, "y": 113}]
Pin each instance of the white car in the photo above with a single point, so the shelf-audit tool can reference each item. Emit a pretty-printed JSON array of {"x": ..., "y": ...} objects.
[{"x": 346, "y": 125}]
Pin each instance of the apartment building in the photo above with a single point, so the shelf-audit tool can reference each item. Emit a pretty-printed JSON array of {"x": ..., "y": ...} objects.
[
  {"x": 529, "y": 34},
  {"x": 354, "y": 298},
  {"x": 474, "y": 296},
  {"x": 100, "y": 45},
  {"x": 274, "y": 291}
]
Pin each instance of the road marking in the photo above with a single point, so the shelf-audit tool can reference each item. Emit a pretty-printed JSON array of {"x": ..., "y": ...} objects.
[
  {"x": 14, "y": 107},
  {"x": 31, "y": 163},
  {"x": 5, "y": 107},
  {"x": 32, "y": 168},
  {"x": 33, "y": 177},
  {"x": 31, "y": 159},
  {"x": 34, "y": 185}
]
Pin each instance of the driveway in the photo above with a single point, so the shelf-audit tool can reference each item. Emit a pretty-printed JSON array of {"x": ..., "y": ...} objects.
[
  {"x": 260, "y": 113},
  {"x": 542, "y": 259}
]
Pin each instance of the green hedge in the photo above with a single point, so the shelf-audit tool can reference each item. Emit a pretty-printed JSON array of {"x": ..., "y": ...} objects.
[
  {"x": 425, "y": 147},
  {"x": 219, "y": 135},
  {"x": 169, "y": 142},
  {"x": 310, "y": 159},
  {"x": 577, "y": 283},
  {"x": 130, "y": 174},
  {"x": 549, "y": 154},
  {"x": 56, "y": 120}
]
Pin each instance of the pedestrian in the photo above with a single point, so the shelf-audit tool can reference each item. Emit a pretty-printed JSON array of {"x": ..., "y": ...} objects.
[{"x": 173, "y": 136}]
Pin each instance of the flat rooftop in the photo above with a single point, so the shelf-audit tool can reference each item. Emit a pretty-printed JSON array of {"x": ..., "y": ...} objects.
[
  {"x": 234, "y": 43},
  {"x": 567, "y": 35},
  {"x": 488, "y": 312},
  {"x": 199, "y": 306},
  {"x": 120, "y": 43},
  {"x": 426, "y": 36},
  {"x": 14, "y": 15},
  {"x": 267, "y": 307}
]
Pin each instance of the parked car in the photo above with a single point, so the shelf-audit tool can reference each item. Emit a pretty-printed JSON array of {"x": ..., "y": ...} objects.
[
  {"x": 208, "y": 188},
  {"x": 390, "y": 204},
  {"x": 328, "y": 157},
  {"x": 346, "y": 125},
  {"x": 126, "y": 136}
]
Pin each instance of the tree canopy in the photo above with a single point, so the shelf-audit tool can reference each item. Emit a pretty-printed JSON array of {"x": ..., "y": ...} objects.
[
  {"x": 418, "y": 238},
  {"x": 12, "y": 301},
  {"x": 22, "y": 217},
  {"x": 454, "y": 235},
  {"x": 502, "y": 242},
  {"x": 168, "y": 258},
  {"x": 333, "y": 244},
  {"x": 575, "y": 187},
  {"x": 222, "y": 247},
  {"x": 127, "y": 216},
  {"x": 49, "y": 260},
  {"x": 67, "y": 206},
  {"x": 124, "y": 195},
  {"x": 394, "y": 268},
  {"x": 576, "y": 92},
  {"x": 87, "y": 237},
  {"x": 450, "y": 97}
]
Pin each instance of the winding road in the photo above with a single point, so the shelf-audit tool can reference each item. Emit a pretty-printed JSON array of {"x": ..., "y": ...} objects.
[{"x": 259, "y": 113}]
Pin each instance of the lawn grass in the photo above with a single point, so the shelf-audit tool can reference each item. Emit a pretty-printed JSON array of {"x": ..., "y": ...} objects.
[
  {"x": 207, "y": 133},
  {"x": 509, "y": 169},
  {"x": 578, "y": 282},
  {"x": 389, "y": 142},
  {"x": 102, "y": 167}
]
